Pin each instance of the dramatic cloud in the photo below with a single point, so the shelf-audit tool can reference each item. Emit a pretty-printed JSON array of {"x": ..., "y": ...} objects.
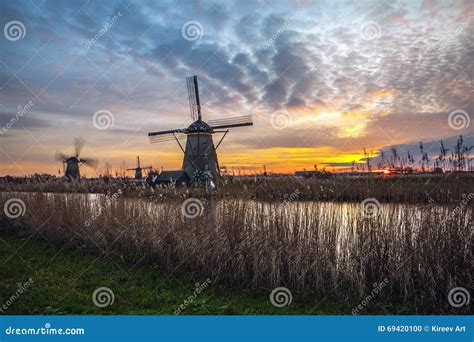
[{"x": 346, "y": 75}]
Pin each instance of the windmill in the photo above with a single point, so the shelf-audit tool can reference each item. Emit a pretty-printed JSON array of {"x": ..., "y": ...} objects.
[
  {"x": 200, "y": 157},
  {"x": 74, "y": 162},
  {"x": 138, "y": 170}
]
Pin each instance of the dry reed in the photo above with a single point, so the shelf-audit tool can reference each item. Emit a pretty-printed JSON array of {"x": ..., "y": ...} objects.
[
  {"x": 326, "y": 249},
  {"x": 429, "y": 188}
]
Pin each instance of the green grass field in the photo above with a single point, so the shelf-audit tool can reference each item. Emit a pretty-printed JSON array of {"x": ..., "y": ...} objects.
[{"x": 65, "y": 279}]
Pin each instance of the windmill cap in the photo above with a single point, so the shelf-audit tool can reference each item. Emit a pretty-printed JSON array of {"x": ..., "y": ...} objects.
[
  {"x": 199, "y": 126},
  {"x": 72, "y": 159}
]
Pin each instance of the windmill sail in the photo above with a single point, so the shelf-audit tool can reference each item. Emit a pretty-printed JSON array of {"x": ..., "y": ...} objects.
[
  {"x": 78, "y": 145},
  {"x": 166, "y": 136},
  {"x": 237, "y": 121},
  {"x": 193, "y": 96},
  {"x": 92, "y": 162},
  {"x": 171, "y": 131}
]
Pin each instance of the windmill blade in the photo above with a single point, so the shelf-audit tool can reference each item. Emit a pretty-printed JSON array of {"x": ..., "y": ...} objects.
[
  {"x": 91, "y": 162},
  {"x": 237, "y": 121},
  {"x": 78, "y": 145},
  {"x": 193, "y": 96},
  {"x": 179, "y": 130},
  {"x": 166, "y": 136},
  {"x": 59, "y": 156}
]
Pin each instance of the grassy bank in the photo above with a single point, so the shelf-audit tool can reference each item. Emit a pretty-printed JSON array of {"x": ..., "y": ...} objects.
[{"x": 64, "y": 280}]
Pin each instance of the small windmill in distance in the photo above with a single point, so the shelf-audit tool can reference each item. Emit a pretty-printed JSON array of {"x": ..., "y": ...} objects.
[
  {"x": 74, "y": 162},
  {"x": 138, "y": 170},
  {"x": 200, "y": 157}
]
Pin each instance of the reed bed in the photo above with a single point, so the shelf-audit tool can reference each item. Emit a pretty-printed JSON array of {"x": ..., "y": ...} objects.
[
  {"x": 327, "y": 250},
  {"x": 428, "y": 188}
]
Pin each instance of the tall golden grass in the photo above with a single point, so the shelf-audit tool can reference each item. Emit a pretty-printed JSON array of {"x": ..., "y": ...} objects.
[{"x": 328, "y": 250}]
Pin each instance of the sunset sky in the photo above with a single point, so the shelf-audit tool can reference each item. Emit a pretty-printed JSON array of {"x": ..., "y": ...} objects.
[{"x": 323, "y": 79}]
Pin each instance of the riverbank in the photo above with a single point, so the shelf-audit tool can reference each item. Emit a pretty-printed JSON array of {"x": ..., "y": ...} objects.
[{"x": 63, "y": 281}]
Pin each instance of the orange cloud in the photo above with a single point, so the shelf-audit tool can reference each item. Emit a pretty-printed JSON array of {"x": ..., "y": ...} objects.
[{"x": 383, "y": 93}]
